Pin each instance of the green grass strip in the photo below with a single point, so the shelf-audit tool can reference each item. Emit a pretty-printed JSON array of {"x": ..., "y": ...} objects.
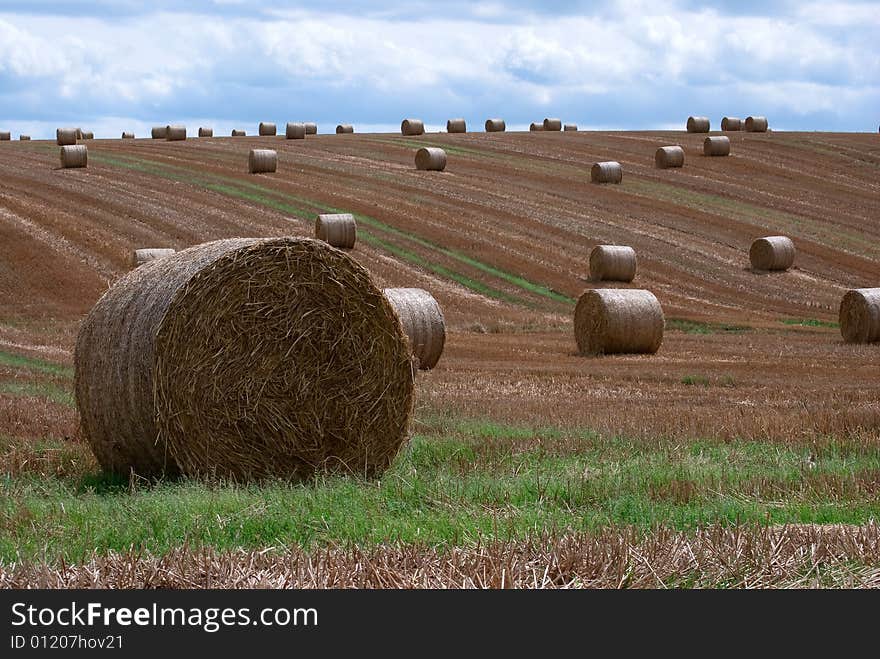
[{"x": 32, "y": 364}]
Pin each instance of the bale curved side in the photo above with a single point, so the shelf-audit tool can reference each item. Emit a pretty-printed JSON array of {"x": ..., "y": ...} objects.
[
  {"x": 267, "y": 130},
  {"x": 860, "y": 315},
  {"x": 145, "y": 255},
  {"x": 295, "y": 131},
  {"x": 731, "y": 124},
  {"x": 311, "y": 128},
  {"x": 262, "y": 161},
  {"x": 606, "y": 172},
  {"x": 495, "y": 126},
  {"x": 608, "y": 321},
  {"x": 344, "y": 129},
  {"x": 698, "y": 124},
  {"x": 756, "y": 124},
  {"x": 175, "y": 133},
  {"x": 552, "y": 124},
  {"x": 570, "y": 128},
  {"x": 772, "y": 253},
  {"x": 74, "y": 156},
  {"x": 456, "y": 126},
  {"x": 412, "y": 127},
  {"x": 718, "y": 145},
  {"x": 613, "y": 263},
  {"x": 337, "y": 229},
  {"x": 237, "y": 132},
  {"x": 65, "y": 136},
  {"x": 431, "y": 159},
  {"x": 536, "y": 127},
  {"x": 206, "y": 132},
  {"x": 158, "y": 132},
  {"x": 669, "y": 156},
  {"x": 422, "y": 321}
]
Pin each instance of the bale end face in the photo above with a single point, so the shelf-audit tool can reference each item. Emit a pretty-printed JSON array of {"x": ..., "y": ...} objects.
[
  {"x": 609, "y": 321},
  {"x": 337, "y": 229},
  {"x": 422, "y": 321},
  {"x": 772, "y": 253},
  {"x": 606, "y": 172},
  {"x": 74, "y": 156},
  {"x": 860, "y": 315},
  {"x": 262, "y": 161},
  {"x": 613, "y": 263},
  {"x": 431, "y": 159}
]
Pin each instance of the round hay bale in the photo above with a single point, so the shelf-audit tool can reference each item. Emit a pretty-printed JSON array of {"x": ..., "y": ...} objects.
[
  {"x": 456, "y": 126},
  {"x": 860, "y": 315},
  {"x": 141, "y": 256},
  {"x": 245, "y": 358},
  {"x": 206, "y": 132},
  {"x": 87, "y": 135},
  {"x": 344, "y": 129},
  {"x": 5, "y": 136},
  {"x": 612, "y": 263},
  {"x": 262, "y": 161},
  {"x": 422, "y": 321},
  {"x": 608, "y": 321},
  {"x": 669, "y": 156},
  {"x": 731, "y": 124},
  {"x": 75, "y": 155},
  {"x": 24, "y": 138},
  {"x": 536, "y": 127},
  {"x": 698, "y": 124},
  {"x": 295, "y": 131},
  {"x": 336, "y": 229},
  {"x": 127, "y": 136},
  {"x": 606, "y": 172},
  {"x": 412, "y": 127},
  {"x": 79, "y": 133},
  {"x": 495, "y": 126},
  {"x": 772, "y": 253},
  {"x": 175, "y": 133},
  {"x": 311, "y": 128},
  {"x": 552, "y": 124},
  {"x": 237, "y": 132},
  {"x": 570, "y": 128},
  {"x": 717, "y": 145},
  {"x": 159, "y": 132},
  {"x": 431, "y": 159},
  {"x": 65, "y": 136},
  {"x": 756, "y": 124},
  {"x": 267, "y": 129}
]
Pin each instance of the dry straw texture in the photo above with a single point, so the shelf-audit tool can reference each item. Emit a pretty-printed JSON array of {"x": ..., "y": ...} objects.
[
  {"x": 262, "y": 161},
  {"x": 412, "y": 127},
  {"x": 24, "y": 138},
  {"x": 422, "y": 321},
  {"x": 159, "y": 132},
  {"x": 772, "y": 253},
  {"x": 431, "y": 158},
  {"x": 552, "y": 124},
  {"x": 5, "y": 136},
  {"x": 731, "y": 123},
  {"x": 495, "y": 126},
  {"x": 237, "y": 132},
  {"x": 718, "y": 145},
  {"x": 141, "y": 256},
  {"x": 570, "y": 128},
  {"x": 698, "y": 124},
  {"x": 606, "y": 172},
  {"x": 756, "y": 124},
  {"x": 336, "y": 229},
  {"x": 267, "y": 129},
  {"x": 245, "y": 358},
  {"x": 206, "y": 132},
  {"x": 311, "y": 128},
  {"x": 535, "y": 127},
  {"x": 65, "y": 136},
  {"x": 175, "y": 133},
  {"x": 128, "y": 136},
  {"x": 608, "y": 321},
  {"x": 73, "y": 156},
  {"x": 295, "y": 131},
  {"x": 612, "y": 263},
  {"x": 344, "y": 129},
  {"x": 669, "y": 156},
  {"x": 456, "y": 126},
  {"x": 860, "y": 315}
]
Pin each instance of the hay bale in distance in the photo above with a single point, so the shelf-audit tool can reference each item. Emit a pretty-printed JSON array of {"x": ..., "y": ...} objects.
[
  {"x": 145, "y": 255},
  {"x": 570, "y": 128},
  {"x": 606, "y": 172},
  {"x": 344, "y": 129},
  {"x": 175, "y": 133},
  {"x": 245, "y": 358},
  {"x": 731, "y": 124},
  {"x": 717, "y": 145},
  {"x": 456, "y": 126},
  {"x": 552, "y": 124},
  {"x": 311, "y": 128},
  {"x": 756, "y": 124},
  {"x": 65, "y": 136},
  {"x": 206, "y": 132},
  {"x": 24, "y": 138},
  {"x": 127, "y": 136},
  {"x": 87, "y": 135},
  {"x": 238, "y": 132},
  {"x": 608, "y": 321},
  {"x": 669, "y": 156},
  {"x": 267, "y": 129},
  {"x": 536, "y": 127},
  {"x": 431, "y": 159},
  {"x": 262, "y": 161},
  {"x": 772, "y": 253},
  {"x": 5, "y": 136},
  {"x": 612, "y": 263},
  {"x": 336, "y": 229},
  {"x": 422, "y": 321},
  {"x": 295, "y": 131},
  {"x": 495, "y": 126},
  {"x": 159, "y": 132},
  {"x": 860, "y": 315},
  {"x": 79, "y": 133},
  {"x": 698, "y": 124},
  {"x": 74, "y": 156},
  {"x": 412, "y": 127}
]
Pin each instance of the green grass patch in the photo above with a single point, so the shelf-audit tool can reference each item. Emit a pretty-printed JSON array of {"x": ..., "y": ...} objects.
[
  {"x": 809, "y": 322},
  {"x": 39, "y": 390},
  {"x": 33, "y": 364},
  {"x": 697, "y": 327},
  {"x": 695, "y": 380}
]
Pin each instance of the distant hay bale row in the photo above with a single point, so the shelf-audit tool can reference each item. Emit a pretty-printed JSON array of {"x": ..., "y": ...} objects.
[
  {"x": 206, "y": 132},
  {"x": 145, "y": 255},
  {"x": 267, "y": 129},
  {"x": 127, "y": 136},
  {"x": 756, "y": 124},
  {"x": 344, "y": 129},
  {"x": 175, "y": 133},
  {"x": 456, "y": 126},
  {"x": 5, "y": 136},
  {"x": 608, "y": 321},
  {"x": 311, "y": 128},
  {"x": 552, "y": 124},
  {"x": 295, "y": 131},
  {"x": 159, "y": 132},
  {"x": 337, "y": 229},
  {"x": 245, "y": 359},
  {"x": 536, "y": 127},
  {"x": 66, "y": 136},
  {"x": 860, "y": 315},
  {"x": 612, "y": 263},
  {"x": 698, "y": 124},
  {"x": 731, "y": 124},
  {"x": 772, "y": 253},
  {"x": 431, "y": 159},
  {"x": 570, "y": 128},
  {"x": 495, "y": 126},
  {"x": 74, "y": 156},
  {"x": 262, "y": 161},
  {"x": 669, "y": 156},
  {"x": 717, "y": 145},
  {"x": 412, "y": 127},
  {"x": 87, "y": 135},
  {"x": 606, "y": 172},
  {"x": 238, "y": 132},
  {"x": 422, "y": 322}
]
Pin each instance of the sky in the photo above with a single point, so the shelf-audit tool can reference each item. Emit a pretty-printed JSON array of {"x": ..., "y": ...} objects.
[{"x": 110, "y": 66}]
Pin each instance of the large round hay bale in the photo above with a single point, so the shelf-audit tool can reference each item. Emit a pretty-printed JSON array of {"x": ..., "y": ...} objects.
[
  {"x": 669, "y": 156},
  {"x": 698, "y": 124},
  {"x": 262, "y": 161},
  {"x": 65, "y": 136},
  {"x": 75, "y": 155},
  {"x": 127, "y": 136},
  {"x": 431, "y": 159},
  {"x": 756, "y": 124},
  {"x": 159, "y": 132},
  {"x": 422, "y": 321},
  {"x": 5, "y": 136},
  {"x": 456, "y": 126},
  {"x": 495, "y": 126},
  {"x": 717, "y": 145},
  {"x": 608, "y": 321},
  {"x": 551, "y": 124},
  {"x": 145, "y": 255},
  {"x": 772, "y": 253},
  {"x": 344, "y": 129},
  {"x": 606, "y": 172},
  {"x": 245, "y": 358},
  {"x": 175, "y": 133},
  {"x": 336, "y": 229},
  {"x": 87, "y": 135},
  {"x": 238, "y": 132},
  {"x": 612, "y": 263},
  {"x": 570, "y": 128},
  {"x": 295, "y": 131},
  {"x": 536, "y": 127},
  {"x": 412, "y": 127},
  {"x": 860, "y": 315},
  {"x": 206, "y": 132},
  {"x": 266, "y": 129},
  {"x": 79, "y": 133},
  {"x": 731, "y": 124},
  {"x": 311, "y": 128},
  {"x": 24, "y": 138}
]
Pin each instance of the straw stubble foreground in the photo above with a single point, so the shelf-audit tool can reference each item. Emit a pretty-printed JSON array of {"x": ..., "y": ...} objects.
[
  {"x": 608, "y": 321},
  {"x": 245, "y": 358}
]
